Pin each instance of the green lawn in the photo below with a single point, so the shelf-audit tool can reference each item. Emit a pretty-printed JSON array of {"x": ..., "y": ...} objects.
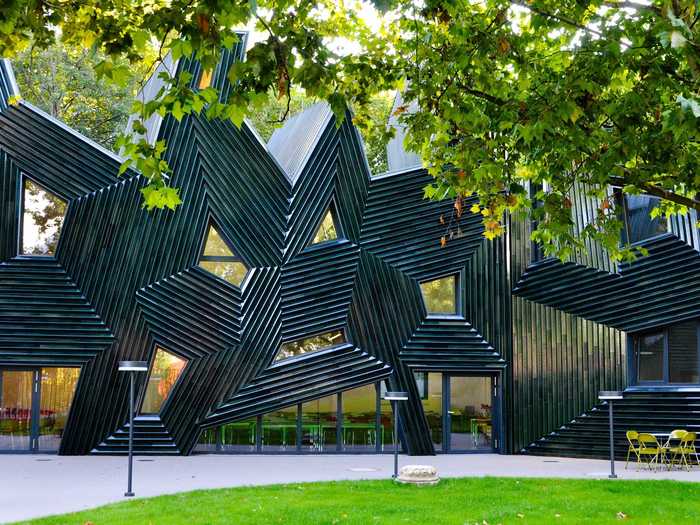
[{"x": 453, "y": 501}]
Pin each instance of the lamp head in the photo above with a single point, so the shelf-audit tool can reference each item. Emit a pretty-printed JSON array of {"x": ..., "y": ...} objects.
[
  {"x": 133, "y": 366},
  {"x": 609, "y": 395}
]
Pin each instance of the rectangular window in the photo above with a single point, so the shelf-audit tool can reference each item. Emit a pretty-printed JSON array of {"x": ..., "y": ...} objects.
[
  {"x": 650, "y": 357},
  {"x": 42, "y": 218},
  {"x": 279, "y": 430},
  {"x": 683, "y": 353},
  {"x": 639, "y": 224},
  {"x": 441, "y": 295},
  {"x": 669, "y": 357},
  {"x": 310, "y": 344}
]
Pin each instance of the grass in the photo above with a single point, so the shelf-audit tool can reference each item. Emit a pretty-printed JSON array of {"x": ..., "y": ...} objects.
[{"x": 454, "y": 501}]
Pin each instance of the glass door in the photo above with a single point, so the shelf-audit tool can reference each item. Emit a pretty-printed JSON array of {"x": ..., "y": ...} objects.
[
  {"x": 34, "y": 405},
  {"x": 469, "y": 405},
  {"x": 17, "y": 393}
]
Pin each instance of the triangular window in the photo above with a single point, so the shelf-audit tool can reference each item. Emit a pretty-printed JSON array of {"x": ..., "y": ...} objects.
[
  {"x": 165, "y": 371},
  {"x": 218, "y": 258},
  {"x": 328, "y": 229},
  {"x": 42, "y": 218}
]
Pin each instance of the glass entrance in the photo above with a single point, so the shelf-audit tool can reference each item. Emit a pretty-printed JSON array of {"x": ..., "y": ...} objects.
[
  {"x": 16, "y": 394},
  {"x": 459, "y": 410},
  {"x": 34, "y": 405},
  {"x": 469, "y": 413}
]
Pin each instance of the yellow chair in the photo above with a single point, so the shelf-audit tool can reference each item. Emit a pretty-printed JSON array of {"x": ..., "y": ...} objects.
[
  {"x": 633, "y": 448},
  {"x": 676, "y": 435},
  {"x": 685, "y": 448},
  {"x": 651, "y": 450}
]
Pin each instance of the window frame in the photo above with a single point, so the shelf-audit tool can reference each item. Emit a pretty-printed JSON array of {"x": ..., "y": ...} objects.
[
  {"x": 622, "y": 200},
  {"x": 339, "y": 233},
  {"x": 634, "y": 341},
  {"x": 20, "y": 217},
  {"x": 151, "y": 362},
  {"x": 212, "y": 223},
  {"x": 460, "y": 279},
  {"x": 342, "y": 330}
]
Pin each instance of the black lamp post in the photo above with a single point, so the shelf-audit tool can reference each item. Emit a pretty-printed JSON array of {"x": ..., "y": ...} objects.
[
  {"x": 132, "y": 367},
  {"x": 610, "y": 396},
  {"x": 395, "y": 397}
]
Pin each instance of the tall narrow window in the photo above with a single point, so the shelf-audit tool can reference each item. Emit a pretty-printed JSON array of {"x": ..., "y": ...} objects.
[
  {"x": 218, "y": 258},
  {"x": 650, "y": 357},
  {"x": 327, "y": 230},
  {"x": 683, "y": 358},
  {"x": 42, "y": 218},
  {"x": 440, "y": 295},
  {"x": 165, "y": 371},
  {"x": 310, "y": 344}
]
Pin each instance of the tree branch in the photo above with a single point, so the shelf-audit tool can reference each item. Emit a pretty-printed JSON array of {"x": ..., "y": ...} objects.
[
  {"x": 558, "y": 18},
  {"x": 633, "y": 5},
  {"x": 659, "y": 192}
]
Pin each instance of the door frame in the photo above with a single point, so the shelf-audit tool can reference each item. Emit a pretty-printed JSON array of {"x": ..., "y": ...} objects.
[
  {"x": 35, "y": 407},
  {"x": 496, "y": 396}
]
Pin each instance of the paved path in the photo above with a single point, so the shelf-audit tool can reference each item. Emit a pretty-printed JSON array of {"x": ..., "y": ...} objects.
[{"x": 33, "y": 486}]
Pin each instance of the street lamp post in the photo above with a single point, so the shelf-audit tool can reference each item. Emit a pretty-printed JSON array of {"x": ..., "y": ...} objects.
[
  {"x": 610, "y": 396},
  {"x": 132, "y": 367},
  {"x": 395, "y": 397}
]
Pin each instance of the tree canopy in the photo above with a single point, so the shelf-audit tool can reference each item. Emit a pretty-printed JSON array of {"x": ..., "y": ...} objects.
[{"x": 499, "y": 96}]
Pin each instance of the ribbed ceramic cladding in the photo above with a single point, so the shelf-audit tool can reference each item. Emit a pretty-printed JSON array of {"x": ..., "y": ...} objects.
[
  {"x": 659, "y": 289},
  {"x": 125, "y": 280}
]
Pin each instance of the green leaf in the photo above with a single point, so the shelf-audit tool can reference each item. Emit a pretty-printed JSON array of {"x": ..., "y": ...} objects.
[{"x": 177, "y": 111}]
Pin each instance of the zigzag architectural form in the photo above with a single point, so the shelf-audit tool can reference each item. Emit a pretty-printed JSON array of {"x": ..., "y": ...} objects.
[
  {"x": 659, "y": 289},
  {"x": 124, "y": 282},
  {"x": 292, "y": 287}
]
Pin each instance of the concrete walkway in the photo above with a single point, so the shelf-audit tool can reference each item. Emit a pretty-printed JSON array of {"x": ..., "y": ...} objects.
[{"x": 34, "y": 486}]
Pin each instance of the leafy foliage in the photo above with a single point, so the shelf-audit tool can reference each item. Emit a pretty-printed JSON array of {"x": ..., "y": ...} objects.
[
  {"x": 62, "y": 81},
  {"x": 509, "y": 96}
]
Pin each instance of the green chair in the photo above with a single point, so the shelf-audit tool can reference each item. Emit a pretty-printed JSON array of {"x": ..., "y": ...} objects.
[
  {"x": 684, "y": 450},
  {"x": 633, "y": 447},
  {"x": 650, "y": 451}
]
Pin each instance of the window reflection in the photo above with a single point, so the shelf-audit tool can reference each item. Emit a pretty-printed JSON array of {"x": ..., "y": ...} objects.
[
  {"x": 311, "y": 344},
  {"x": 279, "y": 430},
  {"x": 57, "y": 389},
  {"x": 360, "y": 418},
  {"x": 440, "y": 295},
  {"x": 42, "y": 219},
  {"x": 650, "y": 357},
  {"x": 165, "y": 371},
  {"x": 430, "y": 387},
  {"x": 239, "y": 436},
  {"x": 638, "y": 222},
  {"x": 327, "y": 230},
  {"x": 219, "y": 259},
  {"x": 319, "y": 420}
]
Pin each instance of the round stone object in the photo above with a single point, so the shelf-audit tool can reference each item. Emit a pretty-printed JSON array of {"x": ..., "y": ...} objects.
[{"x": 418, "y": 475}]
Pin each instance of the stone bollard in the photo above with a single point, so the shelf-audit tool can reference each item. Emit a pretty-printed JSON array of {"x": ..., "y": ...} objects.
[{"x": 418, "y": 475}]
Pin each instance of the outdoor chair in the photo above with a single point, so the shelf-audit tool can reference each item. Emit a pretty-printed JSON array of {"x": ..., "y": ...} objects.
[
  {"x": 674, "y": 436},
  {"x": 633, "y": 447},
  {"x": 684, "y": 450},
  {"x": 650, "y": 451}
]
